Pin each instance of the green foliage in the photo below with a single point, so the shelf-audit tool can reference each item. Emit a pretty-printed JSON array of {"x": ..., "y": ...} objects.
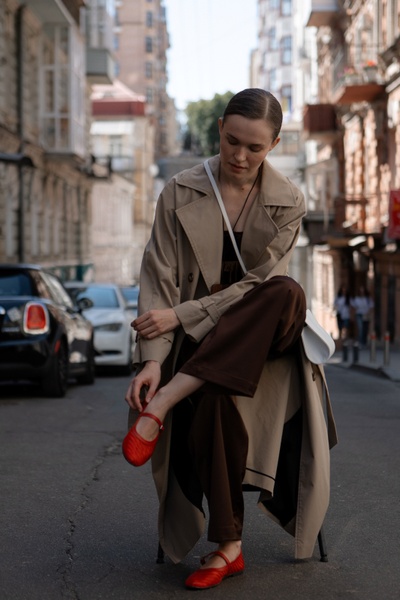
[{"x": 202, "y": 123}]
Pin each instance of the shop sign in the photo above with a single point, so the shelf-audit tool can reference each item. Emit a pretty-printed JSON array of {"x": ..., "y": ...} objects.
[{"x": 394, "y": 215}]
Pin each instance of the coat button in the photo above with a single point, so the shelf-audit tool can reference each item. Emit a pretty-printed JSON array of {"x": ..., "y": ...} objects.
[{"x": 190, "y": 277}]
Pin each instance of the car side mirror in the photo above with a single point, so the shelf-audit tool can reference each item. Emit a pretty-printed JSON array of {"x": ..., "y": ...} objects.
[{"x": 84, "y": 303}]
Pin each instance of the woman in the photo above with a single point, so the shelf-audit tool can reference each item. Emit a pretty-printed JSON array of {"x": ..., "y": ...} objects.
[
  {"x": 363, "y": 306},
  {"x": 342, "y": 306},
  {"x": 243, "y": 392}
]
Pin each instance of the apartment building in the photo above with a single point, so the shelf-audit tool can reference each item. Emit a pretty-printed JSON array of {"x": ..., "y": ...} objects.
[
  {"x": 283, "y": 64},
  {"x": 122, "y": 136},
  {"x": 48, "y": 64},
  {"x": 141, "y": 43},
  {"x": 355, "y": 124}
]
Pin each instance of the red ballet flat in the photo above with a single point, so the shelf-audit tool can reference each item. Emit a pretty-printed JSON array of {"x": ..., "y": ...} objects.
[
  {"x": 136, "y": 449},
  {"x": 208, "y": 578}
]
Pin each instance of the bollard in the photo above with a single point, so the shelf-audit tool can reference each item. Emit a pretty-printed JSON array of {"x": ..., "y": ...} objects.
[
  {"x": 372, "y": 350},
  {"x": 386, "y": 348},
  {"x": 345, "y": 351},
  {"x": 355, "y": 352}
]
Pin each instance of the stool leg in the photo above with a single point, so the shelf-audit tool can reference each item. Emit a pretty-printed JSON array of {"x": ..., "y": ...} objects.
[
  {"x": 160, "y": 555},
  {"x": 322, "y": 546}
]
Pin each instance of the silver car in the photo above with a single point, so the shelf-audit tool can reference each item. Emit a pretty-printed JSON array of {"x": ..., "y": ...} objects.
[{"x": 111, "y": 317}]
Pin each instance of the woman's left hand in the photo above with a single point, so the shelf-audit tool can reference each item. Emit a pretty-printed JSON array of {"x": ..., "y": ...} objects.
[{"x": 155, "y": 322}]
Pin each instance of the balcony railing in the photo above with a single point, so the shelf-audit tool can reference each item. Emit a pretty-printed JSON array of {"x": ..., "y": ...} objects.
[{"x": 357, "y": 84}]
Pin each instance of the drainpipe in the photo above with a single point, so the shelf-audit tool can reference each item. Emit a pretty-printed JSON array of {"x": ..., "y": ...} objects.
[{"x": 19, "y": 26}]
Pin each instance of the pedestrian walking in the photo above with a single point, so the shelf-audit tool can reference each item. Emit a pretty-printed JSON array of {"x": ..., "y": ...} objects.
[
  {"x": 225, "y": 394},
  {"x": 342, "y": 308},
  {"x": 363, "y": 306}
]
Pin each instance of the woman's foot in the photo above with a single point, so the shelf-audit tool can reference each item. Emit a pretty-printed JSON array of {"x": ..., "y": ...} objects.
[
  {"x": 140, "y": 442},
  {"x": 135, "y": 448},
  {"x": 210, "y": 575},
  {"x": 180, "y": 386},
  {"x": 147, "y": 427},
  {"x": 230, "y": 549}
]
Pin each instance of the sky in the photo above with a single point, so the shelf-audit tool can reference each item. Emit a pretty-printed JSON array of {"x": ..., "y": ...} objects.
[{"x": 210, "y": 45}]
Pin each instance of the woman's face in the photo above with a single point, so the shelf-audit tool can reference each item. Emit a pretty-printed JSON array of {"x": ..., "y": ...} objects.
[{"x": 244, "y": 143}]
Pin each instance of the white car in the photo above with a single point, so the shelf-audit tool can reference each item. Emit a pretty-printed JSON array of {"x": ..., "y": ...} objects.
[
  {"x": 111, "y": 317},
  {"x": 131, "y": 295}
]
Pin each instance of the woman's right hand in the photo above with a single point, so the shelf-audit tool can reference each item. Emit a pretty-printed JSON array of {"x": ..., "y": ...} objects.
[{"x": 144, "y": 385}]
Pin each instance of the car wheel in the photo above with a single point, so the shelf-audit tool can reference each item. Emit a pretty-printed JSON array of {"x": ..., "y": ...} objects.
[
  {"x": 55, "y": 383},
  {"x": 89, "y": 376}
]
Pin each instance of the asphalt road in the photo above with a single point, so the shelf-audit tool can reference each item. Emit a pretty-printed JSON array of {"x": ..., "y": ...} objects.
[{"x": 77, "y": 522}]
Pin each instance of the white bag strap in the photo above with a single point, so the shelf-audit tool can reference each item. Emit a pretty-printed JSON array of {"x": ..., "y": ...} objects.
[{"x": 224, "y": 214}]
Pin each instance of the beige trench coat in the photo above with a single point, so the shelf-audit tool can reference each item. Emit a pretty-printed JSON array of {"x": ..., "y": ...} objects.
[{"x": 181, "y": 262}]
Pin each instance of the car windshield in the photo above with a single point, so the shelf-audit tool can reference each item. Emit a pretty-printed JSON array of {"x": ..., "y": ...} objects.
[
  {"x": 102, "y": 297},
  {"x": 130, "y": 294},
  {"x": 15, "y": 284}
]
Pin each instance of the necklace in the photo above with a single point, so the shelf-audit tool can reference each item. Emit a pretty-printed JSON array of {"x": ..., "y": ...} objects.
[{"x": 245, "y": 202}]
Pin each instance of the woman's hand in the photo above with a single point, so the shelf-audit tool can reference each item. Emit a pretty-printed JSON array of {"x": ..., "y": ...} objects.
[
  {"x": 155, "y": 322},
  {"x": 144, "y": 385}
]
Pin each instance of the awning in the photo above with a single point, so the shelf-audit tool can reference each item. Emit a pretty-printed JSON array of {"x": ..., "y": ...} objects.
[
  {"x": 17, "y": 158},
  {"x": 349, "y": 242}
]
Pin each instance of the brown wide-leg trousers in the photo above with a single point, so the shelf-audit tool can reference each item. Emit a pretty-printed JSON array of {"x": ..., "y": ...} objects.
[{"x": 265, "y": 324}]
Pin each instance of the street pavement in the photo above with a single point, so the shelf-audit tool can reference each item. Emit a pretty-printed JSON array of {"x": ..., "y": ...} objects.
[{"x": 78, "y": 523}]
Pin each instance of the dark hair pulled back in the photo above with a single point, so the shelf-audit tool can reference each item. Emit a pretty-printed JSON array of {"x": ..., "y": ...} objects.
[{"x": 256, "y": 103}]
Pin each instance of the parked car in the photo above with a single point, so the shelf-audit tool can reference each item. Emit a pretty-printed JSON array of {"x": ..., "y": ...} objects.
[
  {"x": 43, "y": 335},
  {"x": 111, "y": 317},
  {"x": 131, "y": 295}
]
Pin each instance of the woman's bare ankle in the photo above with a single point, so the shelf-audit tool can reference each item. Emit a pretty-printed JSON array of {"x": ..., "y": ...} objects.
[{"x": 231, "y": 549}]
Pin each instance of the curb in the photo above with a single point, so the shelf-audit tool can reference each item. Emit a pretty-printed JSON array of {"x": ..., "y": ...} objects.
[{"x": 384, "y": 371}]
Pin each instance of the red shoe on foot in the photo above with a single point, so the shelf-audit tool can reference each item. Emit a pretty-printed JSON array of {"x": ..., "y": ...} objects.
[
  {"x": 136, "y": 449},
  {"x": 208, "y": 578}
]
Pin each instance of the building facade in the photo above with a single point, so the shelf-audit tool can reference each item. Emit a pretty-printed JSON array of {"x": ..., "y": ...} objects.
[
  {"x": 45, "y": 176},
  {"x": 141, "y": 43},
  {"x": 122, "y": 135},
  {"x": 355, "y": 126},
  {"x": 282, "y": 64}
]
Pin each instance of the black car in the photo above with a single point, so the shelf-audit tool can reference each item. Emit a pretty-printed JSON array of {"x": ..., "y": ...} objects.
[{"x": 43, "y": 335}]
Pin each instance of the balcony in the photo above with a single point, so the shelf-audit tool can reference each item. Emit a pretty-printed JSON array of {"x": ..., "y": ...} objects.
[
  {"x": 99, "y": 65},
  {"x": 99, "y": 23},
  {"x": 358, "y": 85},
  {"x": 322, "y": 13},
  {"x": 56, "y": 11},
  {"x": 319, "y": 121}
]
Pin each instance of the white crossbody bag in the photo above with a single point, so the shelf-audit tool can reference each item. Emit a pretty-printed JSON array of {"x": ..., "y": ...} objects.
[{"x": 318, "y": 344}]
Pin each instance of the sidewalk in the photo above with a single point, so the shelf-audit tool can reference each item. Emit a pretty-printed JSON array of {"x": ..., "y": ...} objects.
[{"x": 362, "y": 359}]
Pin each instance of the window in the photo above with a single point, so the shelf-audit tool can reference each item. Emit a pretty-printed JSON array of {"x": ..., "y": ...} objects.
[
  {"x": 287, "y": 50},
  {"x": 116, "y": 145},
  {"x": 149, "y": 19},
  {"x": 149, "y": 70},
  {"x": 286, "y": 7},
  {"x": 62, "y": 85},
  {"x": 149, "y": 44},
  {"x": 272, "y": 40},
  {"x": 289, "y": 143},
  {"x": 273, "y": 81},
  {"x": 149, "y": 95},
  {"x": 286, "y": 98},
  {"x": 274, "y": 4}
]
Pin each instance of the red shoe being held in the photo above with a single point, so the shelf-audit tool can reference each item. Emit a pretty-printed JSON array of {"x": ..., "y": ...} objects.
[
  {"x": 208, "y": 578},
  {"x": 136, "y": 449}
]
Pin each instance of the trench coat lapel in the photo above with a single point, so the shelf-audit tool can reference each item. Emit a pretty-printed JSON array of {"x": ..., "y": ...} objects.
[{"x": 203, "y": 223}]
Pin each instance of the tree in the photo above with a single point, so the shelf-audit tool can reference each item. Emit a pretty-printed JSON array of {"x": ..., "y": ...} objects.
[{"x": 202, "y": 123}]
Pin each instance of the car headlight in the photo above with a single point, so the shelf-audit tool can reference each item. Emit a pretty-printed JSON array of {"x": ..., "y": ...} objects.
[{"x": 109, "y": 327}]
